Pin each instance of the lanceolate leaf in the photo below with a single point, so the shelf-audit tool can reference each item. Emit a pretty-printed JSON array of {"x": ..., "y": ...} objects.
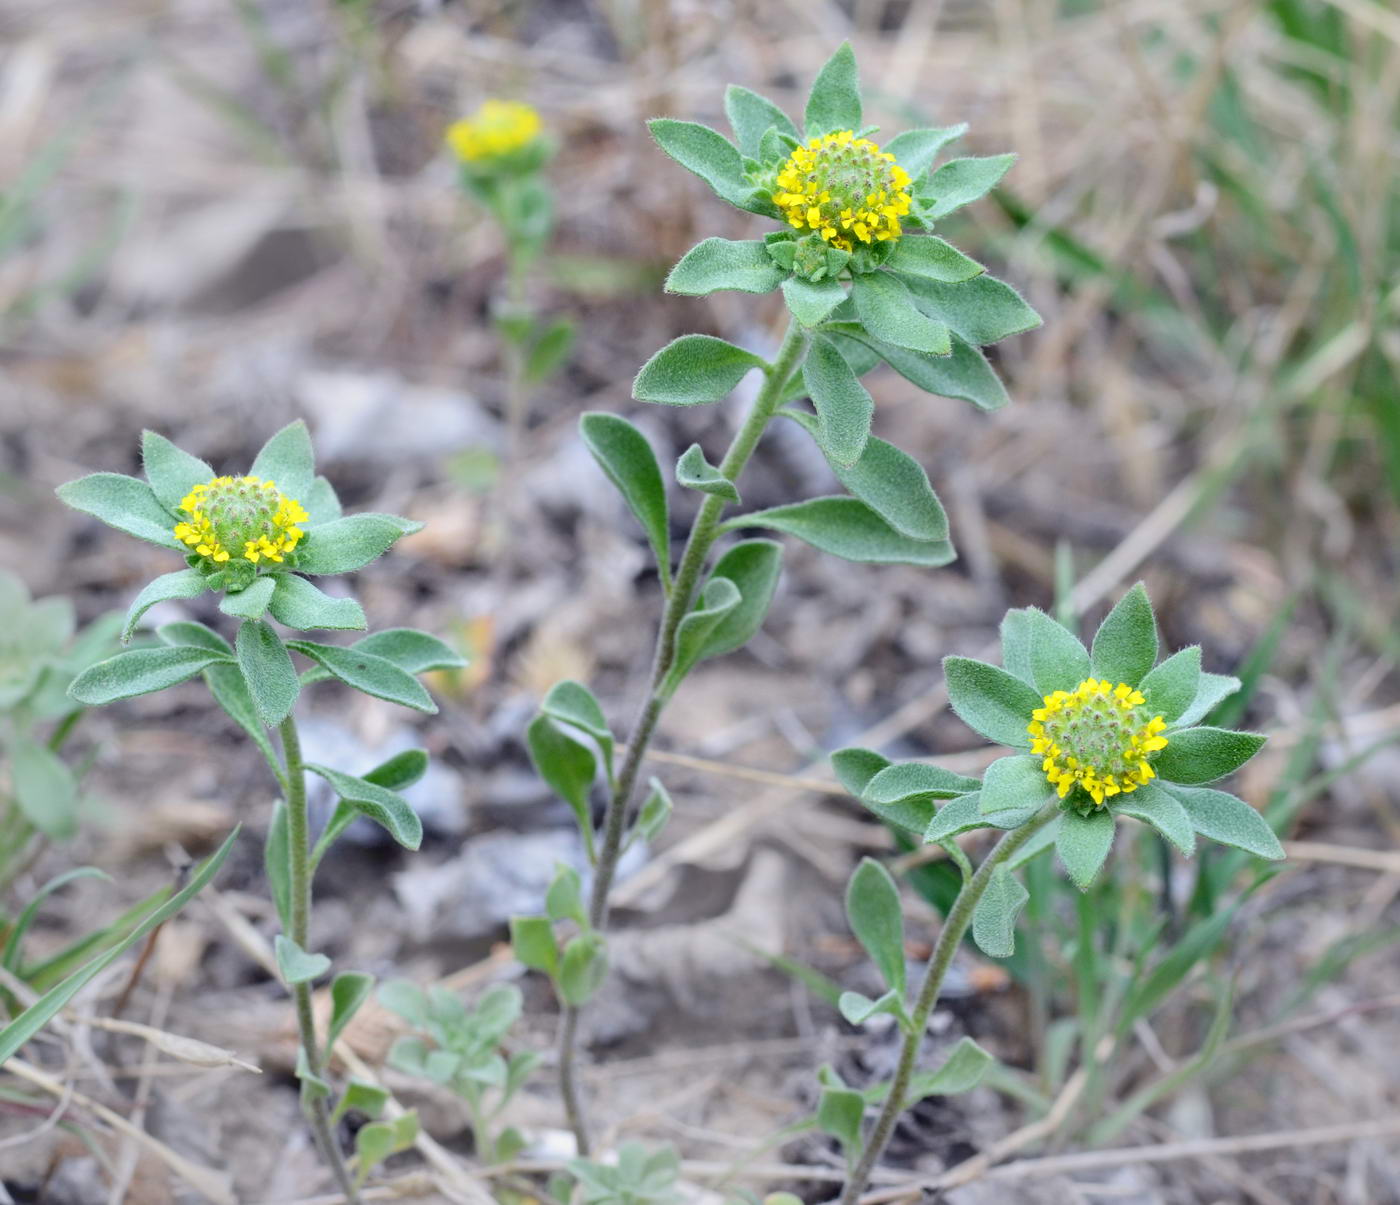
[
  {"x": 1125, "y": 646},
  {"x": 624, "y": 454},
  {"x": 719, "y": 263},
  {"x": 411, "y": 650},
  {"x": 961, "y": 1072},
  {"x": 965, "y": 374},
  {"x": 567, "y": 765},
  {"x": 1171, "y": 686},
  {"x": 44, "y": 787},
  {"x": 872, "y": 906},
  {"x": 1222, "y": 817},
  {"x": 706, "y": 153},
  {"x": 856, "y": 767},
  {"x": 994, "y": 919},
  {"x": 299, "y": 604},
  {"x": 268, "y": 671},
  {"x": 376, "y": 676},
  {"x": 184, "y": 584},
  {"x": 834, "y": 101},
  {"x": 392, "y": 812},
  {"x": 719, "y": 597},
  {"x": 981, "y": 310},
  {"x": 931, "y": 258},
  {"x": 573, "y": 704},
  {"x": 1057, "y": 660},
  {"x": 171, "y": 471},
  {"x": 1152, "y": 805},
  {"x": 848, "y": 528},
  {"x": 288, "y": 461},
  {"x": 888, "y": 312},
  {"x": 692, "y": 370},
  {"x": 140, "y": 672},
  {"x": 344, "y": 545},
  {"x": 991, "y": 701},
  {"x": 843, "y": 405},
  {"x": 892, "y": 483},
  {"x": 753, "y": 566},
  {"x": 1200, "y": 755},
  {"x": 124, "y": 503},
  {"x": 961, "y": 181},
  {"x": 1083, "y": 843},
  {"x": 915, "y": 150},
  {"x": 751, "y": 115}
]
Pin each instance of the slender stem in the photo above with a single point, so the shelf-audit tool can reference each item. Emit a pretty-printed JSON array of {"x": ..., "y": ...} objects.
[
  {"x": 315, "y": 1106},
  {"x": 959, "y": 917},
  {"x": 703, "y": 534}
]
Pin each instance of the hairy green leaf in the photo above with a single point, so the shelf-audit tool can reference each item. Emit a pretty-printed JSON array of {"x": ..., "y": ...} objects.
[
  {"x": 376, "y": 676},
  {"x": 695, "y": 472},
  {"x": 991, "y": 701},
  {"x": 124, "y": 503},
  {"x": 185, "y": 583},
  {"x": 887, "y": 310},
  {"x": 1125, "y": 646},
  {"x": 872, "y": 907},
  {"x": 962, "y": 181},
  {"x": 171, "y": 471},
  {"x": 299, "y": 604},
  {"x": 834, "y": 101},
  {"x": 1083, "y": 843},
  {"x": 693, "y": 370},
  {"x": 724, "y": 264},
  {"x": 848, "y": 528},
  {"x": 994, "y": 918},
  {"x": 268, "y": 671},
  {"x": 287, "y": 461},
  {"x": 141, "y": 672},
  {"x": 626, "y": 457}
]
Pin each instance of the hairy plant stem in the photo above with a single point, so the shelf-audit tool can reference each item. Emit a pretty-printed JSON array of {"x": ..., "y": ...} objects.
[
  {"x": 954, "y": 927},
  {"x": 315, "y": 1106},
  {"x": 703, "y": 534}
]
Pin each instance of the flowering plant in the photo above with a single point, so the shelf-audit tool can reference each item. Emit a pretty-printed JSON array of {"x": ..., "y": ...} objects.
[
  {"x": 256, "y": 540},
  {"x": 502, "y": 151},
  {"x": 1098, "y": 735},
  {"x": 864, "y": 283}
]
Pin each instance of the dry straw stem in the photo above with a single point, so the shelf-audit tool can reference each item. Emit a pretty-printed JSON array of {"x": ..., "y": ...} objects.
[{"x": 213, "y": 1185}]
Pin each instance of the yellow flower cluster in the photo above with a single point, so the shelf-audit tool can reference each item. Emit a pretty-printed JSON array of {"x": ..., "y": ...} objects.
[
  {"x": 843, "y": 186},
  {"x": 1094, "y": 736},
  {"x": 498, "y": 128},
  {"x": 240, "y": 516}
]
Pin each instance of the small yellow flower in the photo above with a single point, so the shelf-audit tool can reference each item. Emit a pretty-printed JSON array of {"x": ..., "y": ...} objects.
[
  {"x": 240, "y": 518},
  {"x": 498, "y": 128},
  {"x": 845, "y": 188},
  {"x": 1096, "y": 736}
]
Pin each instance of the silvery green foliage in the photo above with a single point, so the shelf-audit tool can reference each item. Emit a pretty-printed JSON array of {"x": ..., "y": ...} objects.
[
  {"x": 915, "y": 302},
  {"x": 254, "y": 676},
  {"x": 1041, "y": 656},
  {"x": 462, "y": 1049},
  {"x": 640, "y": 1176},
  {"x": 41, "y": 652}
]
